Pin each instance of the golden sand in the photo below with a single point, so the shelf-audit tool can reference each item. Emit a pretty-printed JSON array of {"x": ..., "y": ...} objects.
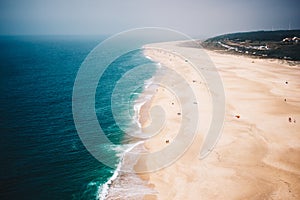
[{"x": 258, "y": 154}]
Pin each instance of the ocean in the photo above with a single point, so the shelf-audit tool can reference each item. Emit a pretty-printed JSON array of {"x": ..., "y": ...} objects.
[{"x": 42, "y": 156}]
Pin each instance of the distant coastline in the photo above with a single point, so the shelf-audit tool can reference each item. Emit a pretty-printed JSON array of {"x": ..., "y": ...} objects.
[{"x": 282, "y": 44}]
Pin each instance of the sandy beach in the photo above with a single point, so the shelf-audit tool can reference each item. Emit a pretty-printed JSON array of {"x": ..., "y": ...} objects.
[{"x": 258, "y": 153}]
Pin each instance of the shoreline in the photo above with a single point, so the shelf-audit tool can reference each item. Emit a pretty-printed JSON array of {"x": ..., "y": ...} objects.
[
  {"x": 251, "y": 150},
  {"x": 124, "y": 175}
]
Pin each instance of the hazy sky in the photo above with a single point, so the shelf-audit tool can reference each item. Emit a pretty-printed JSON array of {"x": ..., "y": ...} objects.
[{"x": 193, "y": 17}]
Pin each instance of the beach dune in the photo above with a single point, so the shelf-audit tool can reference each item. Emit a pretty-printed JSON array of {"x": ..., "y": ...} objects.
[{"x": 258, "y": 154}]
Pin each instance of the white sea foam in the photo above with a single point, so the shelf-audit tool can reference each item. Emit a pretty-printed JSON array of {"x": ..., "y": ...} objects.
[
  {"x": 103, "y": 190},
  {"x": 137, "y": 188},
  {"x": 158, "y": 65},
  {"x": 137, "y": 108},
  {"x": 143, "y": 98},
  {"x": 148, "y": 82}
]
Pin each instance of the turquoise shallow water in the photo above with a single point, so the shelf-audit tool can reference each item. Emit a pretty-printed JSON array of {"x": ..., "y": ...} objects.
[{"x": 42, "y": 156}]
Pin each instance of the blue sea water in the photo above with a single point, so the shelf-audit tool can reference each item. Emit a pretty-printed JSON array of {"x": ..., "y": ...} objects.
[{"x": 41, "y": 155}]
